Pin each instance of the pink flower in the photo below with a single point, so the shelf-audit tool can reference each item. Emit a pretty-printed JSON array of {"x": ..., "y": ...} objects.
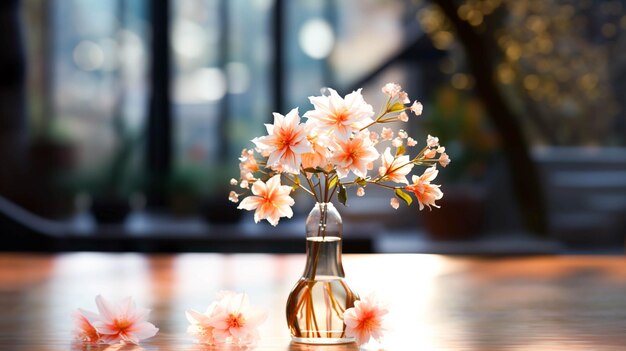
[
  {"x": 201, "y": 326},
  {"x": 395, "y": 168},
  {"x": 248, "y": 177},
  {"x": 432, "y": 141},
  {"x": 85, "y": 331},
  {"x": 430, "y": 153},
  {"x": 341, "y": 116},
  {"x": 391, "y": 89},
  {"x": 354, "y": 155},
  {"x": 318, "y": 157},
  {"x": 396, "y": 142},
  {"x": 233, "y": 197},
  {"x": 122, "y": 322},
  {"x": 248, "y": 164},
  {"x": 425, "y": 192},
  {"x": 403, "y": 97},
  {"x": 417, "y": 108},
  {"x": 365, "y": 320},
  {"x": 374, "y": 137},
  {"x": 402, "y": 134},
  {"x": 234, "y": 321},
  {"x": 394, "y": 203},
  {"x": 271, "y": 200},
  {"x": 286, "y": 141},
  {"x": 411, "y": 142},
  {"x": 403, "y": 117},
  {"x": 360, "y": 192},
  {"x": 387, "y": 133},
  {"x": 444, "y": 160}
]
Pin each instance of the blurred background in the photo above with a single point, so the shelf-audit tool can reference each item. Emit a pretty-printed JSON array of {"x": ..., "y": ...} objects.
[{"x": 121, "y": 121}]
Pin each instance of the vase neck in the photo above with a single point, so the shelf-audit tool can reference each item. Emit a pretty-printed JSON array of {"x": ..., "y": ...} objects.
[
  {"x": 324, "y": 229},
  {"x": 324, "y": 221}
]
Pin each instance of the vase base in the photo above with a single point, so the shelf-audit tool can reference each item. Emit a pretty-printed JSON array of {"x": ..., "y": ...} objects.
[{"x": 322, "y": 341}]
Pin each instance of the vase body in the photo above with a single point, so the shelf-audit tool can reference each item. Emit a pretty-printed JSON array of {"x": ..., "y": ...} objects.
[{"x": 316, "y": 304}]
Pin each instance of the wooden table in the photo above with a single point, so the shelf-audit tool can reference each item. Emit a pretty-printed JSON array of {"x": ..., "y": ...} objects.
[{"x": 437, "y": 302}]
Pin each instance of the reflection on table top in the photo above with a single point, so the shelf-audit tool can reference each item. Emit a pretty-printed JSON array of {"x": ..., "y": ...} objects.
[{"x": 436, "y": 302}]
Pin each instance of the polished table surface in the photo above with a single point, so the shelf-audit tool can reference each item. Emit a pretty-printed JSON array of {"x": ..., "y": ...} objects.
[{"x": 436, "y": 302}]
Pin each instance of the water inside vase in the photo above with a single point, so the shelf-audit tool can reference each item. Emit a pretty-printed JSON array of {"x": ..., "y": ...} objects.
[{"x": 316, "y": 305}]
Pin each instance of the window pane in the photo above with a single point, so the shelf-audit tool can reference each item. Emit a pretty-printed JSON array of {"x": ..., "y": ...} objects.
[
  {"x": 87, "y": 80},
  {"x": 222, "y": 89}
]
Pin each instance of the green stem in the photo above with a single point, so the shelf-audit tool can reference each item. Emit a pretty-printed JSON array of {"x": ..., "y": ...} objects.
[
  {"x": 300, "y": 186},
  {"x": 312, "y": 187},
  {"x": 326, "y": 188},
  {"x": 385, "y": 185},
  {"x": 380, "y": 115}
]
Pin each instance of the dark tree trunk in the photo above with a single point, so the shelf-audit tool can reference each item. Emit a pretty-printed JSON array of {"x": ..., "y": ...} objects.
[{"x": 527, "y": 187}]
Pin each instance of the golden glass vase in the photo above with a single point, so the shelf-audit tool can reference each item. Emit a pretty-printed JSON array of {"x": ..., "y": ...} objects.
[{"x": 316, "y": 304}]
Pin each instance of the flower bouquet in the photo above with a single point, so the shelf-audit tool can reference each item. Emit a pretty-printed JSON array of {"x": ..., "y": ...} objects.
[{"x": 330, "y": 154}]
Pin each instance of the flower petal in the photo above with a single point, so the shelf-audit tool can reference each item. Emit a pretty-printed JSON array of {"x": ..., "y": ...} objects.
[
  {"x": 106, "y": 309},
  {"x": 144, "y": 330}
]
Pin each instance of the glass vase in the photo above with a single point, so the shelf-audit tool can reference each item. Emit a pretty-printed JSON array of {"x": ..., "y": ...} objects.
[{"x": 316, "y": 304}]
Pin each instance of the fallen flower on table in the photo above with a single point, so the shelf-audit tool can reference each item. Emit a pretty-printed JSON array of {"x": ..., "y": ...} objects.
[
  {"x": 85, "y": 331},
  {"x": 229, "y": 320},
  {"x": 122, "y": 322},
  {"x": 201, "y": 326},
  {"x": 365, "y": 320}
]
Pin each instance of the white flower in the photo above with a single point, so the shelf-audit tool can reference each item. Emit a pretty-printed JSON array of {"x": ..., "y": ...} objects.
[
  {"x": 200, "y": 325},
  {"x": 395, "y": 168},
  {"x": 233, "y": 197},
  {"x": 417, "y": 108},
  {"x": 397, "y": 142},
  {"x": 403, "y": 97},
  {"x": 234, "y": 321},
  {"x": 403, "y": 117},
  {"x": 319, "y": 156},
  {"x": 365, "y": 320},
  {"x": 432, "y": 141},
  {"x": 286, "y": 142},
  {"x": 425, "y": 192},
  {"x": 360, "y": 192},
  {"x": 270, "y": 201},
  {"x": 233, "y": 181},
  {"x": 85, "y": 331},
  {"x": 411, "y": 142},
  {"x": 374, "y": 137},
  {"x": 229, "y": 320},
  {"x": 387, "y": 133},
  {"x": 402, "y": 134},
  {"x": 354, "y": 155},
  {"x": 340, "y": 116},
  {"x": 248, "y": 164},
  {"x": 121, "y": 322},
  {"x": 391, "y": 89}
]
